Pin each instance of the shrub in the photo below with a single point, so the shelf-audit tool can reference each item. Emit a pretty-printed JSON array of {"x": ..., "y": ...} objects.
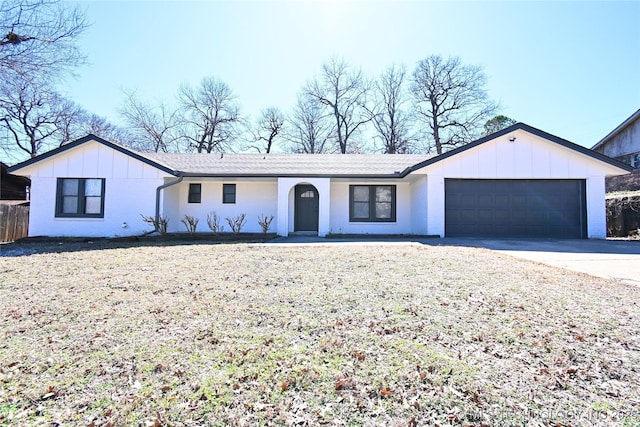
[
  {"x": 160, "y": 225},
  {"x": 623, "y": 213},
  {"x": 236, "y": 223},
  {"x": 213, "y": 221},
  {"x": 190, "y": 222},
  {"x": 265, "y": 223}
]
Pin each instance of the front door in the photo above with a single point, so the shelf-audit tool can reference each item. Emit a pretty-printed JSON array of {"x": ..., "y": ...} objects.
[{"x": 306, "y": 208}]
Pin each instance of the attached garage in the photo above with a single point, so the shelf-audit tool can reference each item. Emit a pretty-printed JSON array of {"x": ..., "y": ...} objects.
[{"x": 516, "y": 208}]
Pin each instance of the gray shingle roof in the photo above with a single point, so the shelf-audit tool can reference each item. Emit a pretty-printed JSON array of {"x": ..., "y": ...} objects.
[{"x": 287, "y": 164}]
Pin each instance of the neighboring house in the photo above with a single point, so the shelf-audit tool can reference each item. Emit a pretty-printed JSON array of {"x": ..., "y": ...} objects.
[
  {"x": 12, "y": 187},
  {"x": 518, "y": 182},
  {"x": 623, "y": 143}
]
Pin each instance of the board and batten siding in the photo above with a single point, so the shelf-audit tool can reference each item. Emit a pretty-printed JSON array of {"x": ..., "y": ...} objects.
[
  {"x": 526, "y": 157},
  {"x": 129, "y": 191}
]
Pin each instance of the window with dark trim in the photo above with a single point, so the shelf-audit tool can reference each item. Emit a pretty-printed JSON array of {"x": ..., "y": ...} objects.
[
  {"x": 80, "y": 197},
  {"x": 195, "y": 193},
  {"x": 372, "y": 203},
  {"x": 228, "y": 193}
]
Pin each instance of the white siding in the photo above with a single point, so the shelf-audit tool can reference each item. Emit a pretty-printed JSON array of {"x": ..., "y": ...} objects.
[
  {"x": 527, "y": 157},
  {"x": 419, "y": 206},
  {"x": 435, "y": 205},
  {"x": 596, "y": 209},
  {"x": 129, "y": 191},
  {"x": 253, "y": 198},
  {"x": 340, "y": 223}
]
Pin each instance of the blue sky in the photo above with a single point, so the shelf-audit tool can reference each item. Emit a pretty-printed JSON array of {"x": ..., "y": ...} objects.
[{"x": 569, "y": 68}]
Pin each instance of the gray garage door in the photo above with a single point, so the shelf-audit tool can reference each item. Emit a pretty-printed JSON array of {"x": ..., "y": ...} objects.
[{"x": 515, "y": 208}]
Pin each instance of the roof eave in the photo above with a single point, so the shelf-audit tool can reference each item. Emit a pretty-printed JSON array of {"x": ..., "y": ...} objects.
[
  {"x": 83, "y": 140},
  {"x": 532, "y": 130},
  {"x": 289, "y": 175}
]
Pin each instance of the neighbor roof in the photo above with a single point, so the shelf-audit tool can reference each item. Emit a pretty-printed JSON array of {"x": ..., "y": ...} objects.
[
  {"x": 635, "y": 116},
  {"x": 345, "y": 165}
]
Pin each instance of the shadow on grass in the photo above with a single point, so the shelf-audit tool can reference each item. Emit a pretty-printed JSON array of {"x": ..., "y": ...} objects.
[{"x": 43, "y": 245}]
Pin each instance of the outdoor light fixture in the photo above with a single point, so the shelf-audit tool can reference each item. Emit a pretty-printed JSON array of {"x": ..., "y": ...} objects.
[{"x": 513, "y": 138}]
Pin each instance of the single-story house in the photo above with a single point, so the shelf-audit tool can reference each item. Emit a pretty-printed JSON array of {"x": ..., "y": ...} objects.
[{"x": 518, "y": 182}]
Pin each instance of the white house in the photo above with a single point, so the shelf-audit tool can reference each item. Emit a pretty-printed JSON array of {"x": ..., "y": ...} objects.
[{"x": 518, "y": 182}]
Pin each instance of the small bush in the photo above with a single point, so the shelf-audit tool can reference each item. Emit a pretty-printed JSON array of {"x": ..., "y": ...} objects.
[
  {"x": 623, "y": 214},
  {"x": 190, "y": 222},
  {"x": 160, "y": 225},
  {"x": 213, "y": 221},
  {"x": 265, "y": 223},
  {"x": 236, "y": 223}
]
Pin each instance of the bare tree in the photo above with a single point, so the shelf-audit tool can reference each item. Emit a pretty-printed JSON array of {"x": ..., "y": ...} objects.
[
  {"x": 70, "y": 120},
  {"x": 153, "y": 127},
  {"x": 100, "y": 126},
  {"x": 35, "y": 117},
  {"x": 267, "y": 129},
  {"x": 38, "y": 37},
  {"x": 211, "y": 116},
  {"x": 75, "y": 122},
  {"x": 309, "y": 131},
  {"x": 390, "y": 119},
  {"x": 343, "y": 91},
  {"x": 497, "y": 123},
  {"x": 451, "y": 101}
]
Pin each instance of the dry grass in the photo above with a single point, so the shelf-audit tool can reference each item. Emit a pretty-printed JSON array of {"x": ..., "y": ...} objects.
[{"x": 244, "y": 334}]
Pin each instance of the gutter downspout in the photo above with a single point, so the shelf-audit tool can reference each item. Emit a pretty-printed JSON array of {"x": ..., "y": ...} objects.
[{"x": 158, "y": 190}]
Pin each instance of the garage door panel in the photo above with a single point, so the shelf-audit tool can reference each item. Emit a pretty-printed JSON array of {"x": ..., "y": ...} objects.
[
  {"x": 485, "y": 201},
  {"x": 467, "y": 216},
  {"x": 484, "y": 216},
  {"x": 502, "y": 215},
  {"x": 516, "y": 208}
]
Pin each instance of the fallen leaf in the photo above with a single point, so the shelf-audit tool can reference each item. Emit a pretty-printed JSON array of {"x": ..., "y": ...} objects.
[
  {"x": 344, "y": 384},
  {"x": 386, "y": 392},
  {"x": 359, "y": 356}
]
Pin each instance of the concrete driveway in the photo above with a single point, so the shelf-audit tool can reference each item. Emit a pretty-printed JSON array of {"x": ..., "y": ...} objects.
[{"x": 611, "y": 259}]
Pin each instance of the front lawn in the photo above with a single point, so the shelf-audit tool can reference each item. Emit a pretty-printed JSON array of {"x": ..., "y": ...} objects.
[{"x": 247, "y": 334}]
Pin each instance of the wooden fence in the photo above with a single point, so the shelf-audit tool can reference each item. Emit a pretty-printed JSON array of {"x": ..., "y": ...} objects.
[{"x": 14, "y": 222}]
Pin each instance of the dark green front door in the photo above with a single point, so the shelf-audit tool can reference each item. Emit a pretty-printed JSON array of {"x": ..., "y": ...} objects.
[{"x": 306, "y": 207}]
